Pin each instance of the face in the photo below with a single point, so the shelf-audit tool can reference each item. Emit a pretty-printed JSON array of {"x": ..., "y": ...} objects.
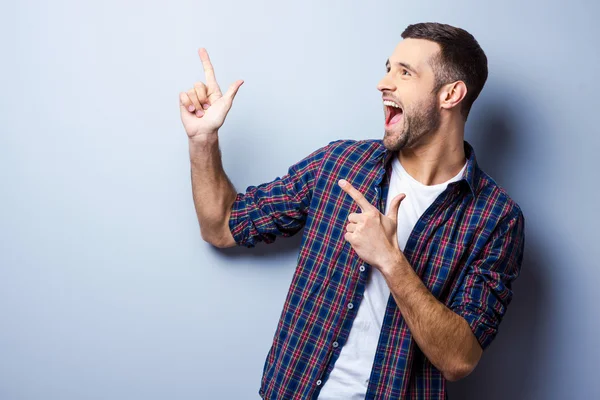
[{"x": 411, "y": 109}]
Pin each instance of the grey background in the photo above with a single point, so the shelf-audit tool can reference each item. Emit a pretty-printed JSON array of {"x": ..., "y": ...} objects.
[{"x": 107, "y": 290}]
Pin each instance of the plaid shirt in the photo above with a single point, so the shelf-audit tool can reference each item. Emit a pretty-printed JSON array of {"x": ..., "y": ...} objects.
[{"x": 467, "y": 248}]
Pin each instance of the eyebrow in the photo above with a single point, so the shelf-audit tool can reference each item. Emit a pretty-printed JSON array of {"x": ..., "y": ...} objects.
[{"x": 403, "y": 64}]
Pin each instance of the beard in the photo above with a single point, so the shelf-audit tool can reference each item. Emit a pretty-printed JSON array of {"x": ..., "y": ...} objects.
[{"x": 417, "y": 122}]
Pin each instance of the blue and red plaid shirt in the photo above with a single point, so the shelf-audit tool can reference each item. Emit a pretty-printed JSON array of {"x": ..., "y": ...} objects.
[{"x": 467, "y": 248}]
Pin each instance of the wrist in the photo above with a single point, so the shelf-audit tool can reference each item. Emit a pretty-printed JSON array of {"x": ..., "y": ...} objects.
[
  {"x": 393, "y": 265},
  {"x": 200, "y": 141}
]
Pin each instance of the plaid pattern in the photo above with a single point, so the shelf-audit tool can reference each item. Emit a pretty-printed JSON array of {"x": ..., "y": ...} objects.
[{"x": 467, "y": 248}]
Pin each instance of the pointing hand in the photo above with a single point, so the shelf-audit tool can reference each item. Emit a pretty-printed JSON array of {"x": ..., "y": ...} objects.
[
  {"x": 203, "y": 107},
  {"x": 372, "y": 234}
]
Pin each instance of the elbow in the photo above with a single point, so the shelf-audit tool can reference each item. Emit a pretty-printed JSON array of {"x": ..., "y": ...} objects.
[
  {"x": 217, "y": 241},
  {"x": 464, "y": 363},
  {"x": 456, "y": 374},
  {"x": 460, "y": 371},
  {"x": 209, "y": 238}
]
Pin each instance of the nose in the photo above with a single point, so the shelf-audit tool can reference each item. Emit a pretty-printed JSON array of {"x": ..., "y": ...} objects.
[{"x": 386, "y": 84}]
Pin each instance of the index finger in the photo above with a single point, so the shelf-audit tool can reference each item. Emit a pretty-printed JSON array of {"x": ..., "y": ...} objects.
[
  {"x": 362, "y": 202},
  {"x": 209, "y": 71}
]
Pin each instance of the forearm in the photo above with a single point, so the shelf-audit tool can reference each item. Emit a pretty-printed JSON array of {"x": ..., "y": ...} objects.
[
  {"x": 444, "y": 337},
  {"x": 212, "y": 190}
]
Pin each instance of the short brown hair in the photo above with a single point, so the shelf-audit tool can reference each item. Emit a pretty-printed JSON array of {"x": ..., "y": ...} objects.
[{"x": 460, "y": 58}]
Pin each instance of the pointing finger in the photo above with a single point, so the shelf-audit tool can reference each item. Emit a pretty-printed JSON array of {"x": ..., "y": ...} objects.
[
  {"x": 362, "y": 202},
  {"x": 209, "y": 71}
]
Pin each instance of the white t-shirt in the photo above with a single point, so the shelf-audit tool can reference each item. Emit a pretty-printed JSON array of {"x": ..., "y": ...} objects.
[{"x": 349, "y": 378}]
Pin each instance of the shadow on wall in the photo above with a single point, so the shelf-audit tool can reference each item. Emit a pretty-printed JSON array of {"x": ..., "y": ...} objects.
[{"x": 508, "y": 368}]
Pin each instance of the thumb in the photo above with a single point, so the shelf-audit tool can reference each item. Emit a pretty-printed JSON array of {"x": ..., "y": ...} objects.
[
  {"x": 394, "y": 206},
  {"x": 232, "y": 91}
]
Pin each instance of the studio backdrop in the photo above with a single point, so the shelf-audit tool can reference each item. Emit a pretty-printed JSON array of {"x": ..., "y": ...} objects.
[{"x": 107, "y": 290}]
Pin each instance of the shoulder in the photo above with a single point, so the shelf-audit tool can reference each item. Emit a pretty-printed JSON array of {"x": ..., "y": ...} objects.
[
  {"x": 359, "y": 144},
  {"x": 341, "y": 152},
  {"x": 353, "y": 148},
  {"x": 498, "y": 202}
]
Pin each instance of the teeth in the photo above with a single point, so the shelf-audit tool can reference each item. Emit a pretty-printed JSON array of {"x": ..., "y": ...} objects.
[{"x": 390, "y": 103}]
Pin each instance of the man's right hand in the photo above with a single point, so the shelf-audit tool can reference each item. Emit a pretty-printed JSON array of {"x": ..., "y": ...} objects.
[{"x": 203, "y": 107}]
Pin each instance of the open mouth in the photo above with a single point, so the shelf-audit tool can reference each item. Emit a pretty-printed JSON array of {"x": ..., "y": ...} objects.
[{"x": 393, "y": 112}]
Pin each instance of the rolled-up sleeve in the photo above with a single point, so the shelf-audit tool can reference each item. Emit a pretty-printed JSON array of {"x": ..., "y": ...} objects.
[
  {"x": 486, "y": 290},
  {"x": 276, "y": 208}
]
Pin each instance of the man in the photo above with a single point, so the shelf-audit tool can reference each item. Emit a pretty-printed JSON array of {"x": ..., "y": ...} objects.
[{"x": 410, "y": 250}]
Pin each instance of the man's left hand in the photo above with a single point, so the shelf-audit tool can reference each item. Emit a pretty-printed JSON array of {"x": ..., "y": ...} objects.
[{"x": 372, "y": 234}]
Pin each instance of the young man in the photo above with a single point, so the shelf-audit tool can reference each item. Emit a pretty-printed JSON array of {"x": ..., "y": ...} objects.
[{"x": 410, "y": 249}]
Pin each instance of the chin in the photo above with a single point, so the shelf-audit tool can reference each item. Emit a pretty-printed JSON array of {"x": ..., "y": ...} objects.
[{"x": 394, "y": 141}]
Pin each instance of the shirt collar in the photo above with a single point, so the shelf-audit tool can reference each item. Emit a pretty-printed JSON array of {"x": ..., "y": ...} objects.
[{"x": 470, "y": 177}]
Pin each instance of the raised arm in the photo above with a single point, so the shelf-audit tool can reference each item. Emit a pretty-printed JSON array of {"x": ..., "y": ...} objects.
[{"x": 203, "y": 111}]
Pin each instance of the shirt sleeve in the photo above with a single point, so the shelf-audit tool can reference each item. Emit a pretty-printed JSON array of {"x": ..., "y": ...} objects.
[
  {"x": 486, "y": 290},
  {"x": 276, "y": 208}
]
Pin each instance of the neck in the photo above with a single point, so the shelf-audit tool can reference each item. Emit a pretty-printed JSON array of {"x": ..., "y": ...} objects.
[{"x": 438, "y": 157}]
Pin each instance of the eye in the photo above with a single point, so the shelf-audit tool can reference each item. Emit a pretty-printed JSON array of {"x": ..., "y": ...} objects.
[{"x": 405, "y": 72}]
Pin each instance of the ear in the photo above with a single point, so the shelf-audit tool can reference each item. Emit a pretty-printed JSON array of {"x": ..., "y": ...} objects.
[{"x": 452, "y": 94}]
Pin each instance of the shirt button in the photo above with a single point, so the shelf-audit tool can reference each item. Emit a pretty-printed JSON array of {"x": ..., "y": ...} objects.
[
  {"x": 335, "y": 344},
  {"x": 362, "y": 268},
  {"x": 350, "y": 306},
  {"x": 319, "y": 382}
]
